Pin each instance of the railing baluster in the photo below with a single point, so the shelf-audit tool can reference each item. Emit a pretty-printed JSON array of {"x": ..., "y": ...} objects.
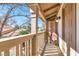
[
  {"x": 30, "y": 47},
  {"x": 6, "y": 52},
  {"x": 20, "y": 49},
  {"x": 34, "y": 46},
  {"x": 25, "y": 48},
  {"x": 17, "y": 50}
]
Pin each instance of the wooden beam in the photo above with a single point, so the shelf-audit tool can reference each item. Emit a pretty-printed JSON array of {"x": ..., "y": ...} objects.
[
  {"x": 52, "y": 13},
  {"x": 41, "y": 13},
  {"x": 51, "y": 17},
  {"x": 52, "y": 7}
]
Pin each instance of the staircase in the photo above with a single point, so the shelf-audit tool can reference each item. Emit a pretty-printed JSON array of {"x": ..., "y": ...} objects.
[{"x": 52, "y": 50}]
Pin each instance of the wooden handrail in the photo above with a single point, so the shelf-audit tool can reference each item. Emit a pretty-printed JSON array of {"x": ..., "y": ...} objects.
[
  {"x": 8, "y": 43},
  {"x": 40, "y": 32}
]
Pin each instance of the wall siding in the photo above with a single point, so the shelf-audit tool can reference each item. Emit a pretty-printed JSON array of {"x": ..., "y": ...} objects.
[{"x": 67, "y": 44}]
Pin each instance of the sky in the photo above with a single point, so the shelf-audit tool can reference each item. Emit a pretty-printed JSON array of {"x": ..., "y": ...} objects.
[
  {"x": 40, "y": 22},
  {"x": 21, "y": 10}
]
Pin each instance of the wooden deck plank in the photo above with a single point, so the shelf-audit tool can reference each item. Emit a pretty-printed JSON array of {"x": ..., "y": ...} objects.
[{"x": 52, "y": 50}]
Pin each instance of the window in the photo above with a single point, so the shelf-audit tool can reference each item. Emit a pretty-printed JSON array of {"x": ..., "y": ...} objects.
[{"x": 40, "y": 25}]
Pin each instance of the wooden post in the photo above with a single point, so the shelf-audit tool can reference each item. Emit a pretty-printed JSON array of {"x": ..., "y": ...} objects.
[
  {"x": 34, "y": 29},
  {"x": 34, "y": 46},
  {"x": 28, "y": 48},
  {"x": 17, "y": 50},
  {"x": 6, "y": 52},
  {"x": 25, "y": 48},
  {"x": 45, "y": 36},
  {"x": 37, "y": 44},
  {"x": 46, "y": 31},
  {"x": 20, "y": 49}
]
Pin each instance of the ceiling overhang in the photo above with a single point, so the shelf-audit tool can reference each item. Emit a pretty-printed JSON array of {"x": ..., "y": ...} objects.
[
  {"x": 54, "y": 6},
  {"x": 47, "y": 11},
  {"x": 33, "y": 6}
]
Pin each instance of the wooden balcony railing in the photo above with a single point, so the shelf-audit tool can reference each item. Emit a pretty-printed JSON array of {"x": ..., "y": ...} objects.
[{"x": 21, "y": 45}]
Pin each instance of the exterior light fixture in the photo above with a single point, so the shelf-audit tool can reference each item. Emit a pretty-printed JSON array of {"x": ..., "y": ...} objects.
[{"x": 57, "y": 19}]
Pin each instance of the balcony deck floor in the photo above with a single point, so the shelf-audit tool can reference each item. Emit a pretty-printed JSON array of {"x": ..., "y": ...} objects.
[{"x": 52, "y": 50}]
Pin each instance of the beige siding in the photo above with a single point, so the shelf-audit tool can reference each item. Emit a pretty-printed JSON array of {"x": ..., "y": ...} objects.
[
  {"x": 77, "y": 28},
  {"x": 67, "y": 45}
]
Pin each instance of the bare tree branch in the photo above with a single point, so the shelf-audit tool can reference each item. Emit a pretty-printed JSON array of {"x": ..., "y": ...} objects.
[
  {"x": 5, "y": 19},
  {"x": 7, "y": 16},
  {"x": 18, "y": 15}
]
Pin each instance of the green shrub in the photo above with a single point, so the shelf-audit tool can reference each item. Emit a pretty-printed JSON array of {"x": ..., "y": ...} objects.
[{"x": 23, "y": 32}]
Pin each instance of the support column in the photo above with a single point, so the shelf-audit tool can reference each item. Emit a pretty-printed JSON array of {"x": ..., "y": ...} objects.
[
  {"x": 45, "y": 36},
  {"x": 34, "y": 29},
  {"x": 46, "y": 31},
  {"x": 37, "y": 40}
]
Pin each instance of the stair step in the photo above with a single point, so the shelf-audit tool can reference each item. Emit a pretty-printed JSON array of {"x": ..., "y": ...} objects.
[
  {"x": 52, "y": 51},
  {"x": 51, "y": 54}
]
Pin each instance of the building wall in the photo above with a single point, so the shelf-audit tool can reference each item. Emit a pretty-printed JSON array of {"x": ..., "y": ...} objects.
[
  {"x": 77, "y": 29},
  {"x": 62, "y": 43},
  {"x": 67, "y": 40}
]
